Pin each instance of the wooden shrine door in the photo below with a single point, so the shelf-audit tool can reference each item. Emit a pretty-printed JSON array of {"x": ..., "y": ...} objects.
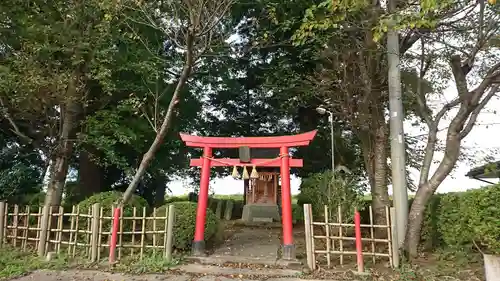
[{"x": 264, "y": 189}]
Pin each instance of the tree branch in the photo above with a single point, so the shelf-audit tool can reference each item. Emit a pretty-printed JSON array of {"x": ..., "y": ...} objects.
[
  {"x": 15, "y": 128},
  {"x": 473, "y": 117}
]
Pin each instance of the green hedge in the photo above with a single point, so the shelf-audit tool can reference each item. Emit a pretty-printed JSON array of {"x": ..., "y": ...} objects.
[
  {"x": 457, "y": 220},
  {"x": 172, "y": 199},
  {"x": 107, "y": 201},
  {"x": 211, "y": 204},
  {"x": 185, "y": 221}
]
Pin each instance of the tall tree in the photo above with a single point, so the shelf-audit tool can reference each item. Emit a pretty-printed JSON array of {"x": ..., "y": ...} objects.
[
  {"x": 48, "y": 62},
  {"x": 473, "y": 63},
  {"x": 191, "y": 27}
]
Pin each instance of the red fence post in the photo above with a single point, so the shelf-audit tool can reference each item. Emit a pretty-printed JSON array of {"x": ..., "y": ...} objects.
[
  {"x": 359, "y": 246},
  {"x": 114, "y": 235}
]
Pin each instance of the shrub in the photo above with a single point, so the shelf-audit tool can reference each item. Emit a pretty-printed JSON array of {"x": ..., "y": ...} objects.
[
  {"x": 185, "y": 221},
  {"x": 107, "y": 201},
  {"x": 430, "y": 235},
  {"x": 452, "y": 221},
  {"x": 172, "y": 199},
  {"x": 35, "y": 200},
  {"x": 457, "y": 220},
  {"x": 345, "y": 191},
  {"x": 298, "y": 212},
  {"x": 483, "y": 214}
]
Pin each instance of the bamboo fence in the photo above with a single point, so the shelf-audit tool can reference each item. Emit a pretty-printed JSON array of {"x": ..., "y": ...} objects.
[
  {"x": 335, "y": 238},
  {"x": 86, "y": 232}
]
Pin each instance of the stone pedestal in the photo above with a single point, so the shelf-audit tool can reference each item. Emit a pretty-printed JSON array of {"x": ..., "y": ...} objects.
[{"x": 260, "y": 212}]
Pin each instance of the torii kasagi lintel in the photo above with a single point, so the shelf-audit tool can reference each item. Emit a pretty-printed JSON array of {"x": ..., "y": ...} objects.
[{"x": 283, "y": 161}]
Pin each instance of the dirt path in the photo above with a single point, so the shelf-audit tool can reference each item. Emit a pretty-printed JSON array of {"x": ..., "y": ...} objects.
[{"x": 86, "y": 275}]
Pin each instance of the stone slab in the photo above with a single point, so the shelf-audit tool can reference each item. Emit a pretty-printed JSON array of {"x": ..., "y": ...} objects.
[
  {"x": 215, "y": 270},
  {"x": 214, "y": 259}
]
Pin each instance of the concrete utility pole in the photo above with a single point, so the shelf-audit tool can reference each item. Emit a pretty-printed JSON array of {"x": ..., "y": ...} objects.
[
  {"x": 323, "y": 111},
  {"x": 398, "y": 153}
]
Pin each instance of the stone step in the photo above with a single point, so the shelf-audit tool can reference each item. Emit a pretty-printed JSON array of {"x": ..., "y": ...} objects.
[{"x": 217, "y": 270}]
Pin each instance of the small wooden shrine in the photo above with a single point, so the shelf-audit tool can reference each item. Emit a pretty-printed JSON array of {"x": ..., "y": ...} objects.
[{"x": 261, "y": 187}]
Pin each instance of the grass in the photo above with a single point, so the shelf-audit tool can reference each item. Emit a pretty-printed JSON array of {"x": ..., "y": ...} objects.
[
  {"x": 14, "y": 263},
  {"x": 150, "y": 263},
  {"x": 441, "y": 265}
]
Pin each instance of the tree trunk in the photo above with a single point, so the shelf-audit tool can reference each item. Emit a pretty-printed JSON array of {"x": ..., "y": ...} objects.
[
  {"x": 60, "y": 165},
  {"x": 160, "y": 135},
  {"x": 425, "y": 191},
  {"x": 90, "y": 176},
  {"x": 159, "y": 184},
  {"x": 375, "y": 156}
]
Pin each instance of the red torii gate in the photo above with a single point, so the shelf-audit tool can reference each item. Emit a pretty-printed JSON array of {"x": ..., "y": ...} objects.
[{"x": 283, "y": 161}]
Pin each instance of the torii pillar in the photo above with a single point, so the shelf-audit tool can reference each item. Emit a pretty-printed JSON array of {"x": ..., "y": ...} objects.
[{"x": 283, "y": 161}]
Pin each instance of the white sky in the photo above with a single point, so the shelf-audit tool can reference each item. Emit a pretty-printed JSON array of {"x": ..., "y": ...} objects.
[{"x": 480, "y": 142}]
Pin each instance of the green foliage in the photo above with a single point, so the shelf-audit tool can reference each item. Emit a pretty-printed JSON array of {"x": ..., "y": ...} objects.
[
  {"x": 297, "y": 212},
  {"x": 185, "y": 221},
  {"x": 19, "y": 175},
  {"x": 483, "y": 212},
  {"x": 453, "y": 220},
  {"x": 406, "y": 273},
  {"x": 172, "y": 199},
  {"x": 35, "y": 200},
  {"x": 108, "y": 202},
  {"x": 457, "y": 220},
  {"x": 14, "y": 263},
  {"x": 430, "y": 234},
  {"x": 345, "y": 191},
  {"x": 149, "y": 263}
]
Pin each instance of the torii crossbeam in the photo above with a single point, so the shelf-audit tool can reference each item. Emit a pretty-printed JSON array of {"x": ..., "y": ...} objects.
[{"x": 283, "y": 161}]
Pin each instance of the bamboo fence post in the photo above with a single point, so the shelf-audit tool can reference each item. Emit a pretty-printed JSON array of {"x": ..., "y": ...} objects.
[
  {"x": 388, "y": 227},
  {"x": 170, "y": 232},
  {"x": 59, "y": 229},
  {"x": 15, "y": 222},
  {"x": 99, "y": 233},
  {"x": 165, "y": 229},
  {"x": 6, "y": 221},
  {"x": 372, "y": 236},
  {"x": 327, "y": 225},
  {"x": 71, "y": 226},
  {"x": 75, "y": 239},
  {"x": 308, "y": 236},
  {"x": 44, "y": 229},
  {"x": 341, "y": 242},
  {"x": 143, "y": 232},
  {"x": 2, "y": 222},
  {"x": 313, "y": 247},
  {"x": 94, "y": 238},
  {"x": 154, "y": 231},
  {"x": 134, "y": 226},
  {"x": 49, "y": 229},
  {"x": 27, "y": 227},
  {"x": 38, "y": 225},
  {"x": 88, "y": 233},
  {"x": 394, "y": 239}
]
